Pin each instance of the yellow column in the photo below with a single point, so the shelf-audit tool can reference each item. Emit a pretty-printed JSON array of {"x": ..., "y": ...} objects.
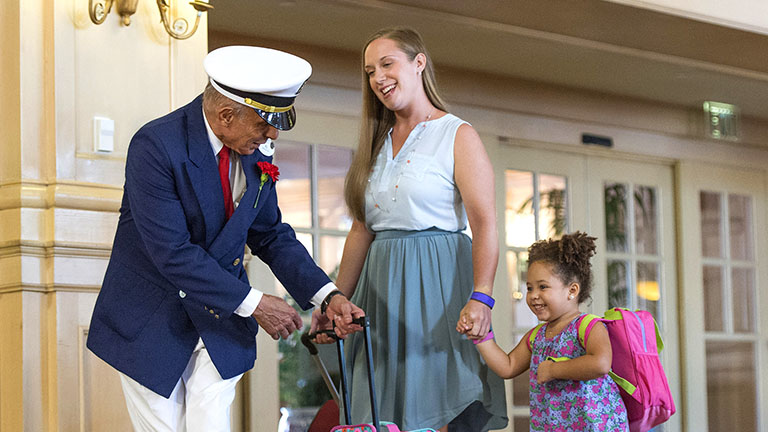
[{"x": 59, "y": 198}]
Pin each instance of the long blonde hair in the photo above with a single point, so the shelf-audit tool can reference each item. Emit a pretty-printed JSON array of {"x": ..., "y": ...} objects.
[{"x": 376, "y": 120}]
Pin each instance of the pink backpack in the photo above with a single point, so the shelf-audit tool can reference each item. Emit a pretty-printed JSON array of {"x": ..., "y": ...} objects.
[{"x": 636, "y": 368}]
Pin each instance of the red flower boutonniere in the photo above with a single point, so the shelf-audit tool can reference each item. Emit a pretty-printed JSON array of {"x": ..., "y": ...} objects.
[{"x": 268, "y": 171}]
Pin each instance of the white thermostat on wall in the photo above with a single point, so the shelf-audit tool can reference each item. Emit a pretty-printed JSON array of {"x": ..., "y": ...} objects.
[{"x": 103, "y": 134}]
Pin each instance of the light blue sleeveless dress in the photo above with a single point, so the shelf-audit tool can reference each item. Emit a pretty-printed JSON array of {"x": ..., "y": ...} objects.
[{"x": 416, "y": 279}]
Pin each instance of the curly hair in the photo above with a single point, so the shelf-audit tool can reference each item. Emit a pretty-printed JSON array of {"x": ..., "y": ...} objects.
[{"x": 570, "y": 259}]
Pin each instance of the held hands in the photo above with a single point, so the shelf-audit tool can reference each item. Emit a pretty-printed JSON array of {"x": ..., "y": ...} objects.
[
  {"x": 277, "y": 317},
  {"x": 474, "y": 320},
  {"x": 341, "y": 311}
]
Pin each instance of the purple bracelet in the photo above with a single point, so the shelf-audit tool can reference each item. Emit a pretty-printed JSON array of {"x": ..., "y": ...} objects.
[
  {"x": 483, "y": 298},
  {"x": 487, "y": 337}
]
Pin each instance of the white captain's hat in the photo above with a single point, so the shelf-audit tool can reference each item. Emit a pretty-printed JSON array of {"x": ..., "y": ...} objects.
[{"x": 264, "y": 79}]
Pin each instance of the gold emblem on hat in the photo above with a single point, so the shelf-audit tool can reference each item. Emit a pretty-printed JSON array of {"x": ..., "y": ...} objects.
[{"x": 267, "y": 108}]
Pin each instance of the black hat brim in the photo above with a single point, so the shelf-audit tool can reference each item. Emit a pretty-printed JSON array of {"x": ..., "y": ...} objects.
[{"x": 281, "y": 121}]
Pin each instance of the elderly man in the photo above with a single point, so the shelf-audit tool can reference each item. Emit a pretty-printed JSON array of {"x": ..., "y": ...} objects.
[{"x": 176, "y": 315}]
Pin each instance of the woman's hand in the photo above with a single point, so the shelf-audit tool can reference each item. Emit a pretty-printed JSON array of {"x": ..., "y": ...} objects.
[
  {"x": 343, "y": 311},
  {"x": 474, "y": 320}
]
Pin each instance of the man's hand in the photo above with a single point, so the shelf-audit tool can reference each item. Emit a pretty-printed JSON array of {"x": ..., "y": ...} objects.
[
  {"x": 277, "y": 317},
  {"x": 474, "y": 320}
]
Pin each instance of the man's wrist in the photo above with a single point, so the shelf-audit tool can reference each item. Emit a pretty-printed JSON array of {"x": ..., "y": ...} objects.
[
  {"x": 250, "y": 303},
  {"x": 327, "y": 300}
]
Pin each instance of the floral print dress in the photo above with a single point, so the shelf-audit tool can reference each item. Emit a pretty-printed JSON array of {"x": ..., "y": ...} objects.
[{"x": 566, "y": 405}]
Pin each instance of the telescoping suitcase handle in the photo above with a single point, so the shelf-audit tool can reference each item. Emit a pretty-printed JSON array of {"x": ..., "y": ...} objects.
[
  {"x": 306, "y": 339},
  {"x": 365, "y": 323}
]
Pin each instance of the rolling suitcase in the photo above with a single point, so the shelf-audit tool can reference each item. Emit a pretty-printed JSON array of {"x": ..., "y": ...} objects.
[{"x": 364, "y": 322}]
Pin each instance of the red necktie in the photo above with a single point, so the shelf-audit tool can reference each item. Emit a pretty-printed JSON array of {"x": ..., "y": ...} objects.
[{"x": 229, "y": 206}]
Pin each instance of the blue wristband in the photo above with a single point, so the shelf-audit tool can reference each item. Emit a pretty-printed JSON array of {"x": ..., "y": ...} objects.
[{"x": 483, "y": 298}]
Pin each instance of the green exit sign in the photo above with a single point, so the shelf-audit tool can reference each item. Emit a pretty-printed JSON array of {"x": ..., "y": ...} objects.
[{"x": 722, "y": 121}]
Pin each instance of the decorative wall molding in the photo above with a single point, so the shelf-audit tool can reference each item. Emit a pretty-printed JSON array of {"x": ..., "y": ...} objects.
[
  {"x": 60, "y": 194},
  {"x": 59, "y": 249},
  {"x": 48, "y": 288}
]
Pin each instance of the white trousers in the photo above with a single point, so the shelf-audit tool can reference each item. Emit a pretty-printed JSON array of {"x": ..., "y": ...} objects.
[{"x": 200, "y": 401}]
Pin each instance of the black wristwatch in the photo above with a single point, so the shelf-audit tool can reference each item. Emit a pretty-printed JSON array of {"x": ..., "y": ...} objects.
[{"x": 327, "y": 300}]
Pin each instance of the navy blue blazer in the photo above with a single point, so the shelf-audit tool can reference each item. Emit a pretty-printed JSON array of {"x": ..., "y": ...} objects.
[{"x": 176, "y": 270}]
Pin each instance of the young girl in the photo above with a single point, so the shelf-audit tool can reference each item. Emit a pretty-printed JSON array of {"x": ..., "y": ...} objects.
[{"x": 573, "y": 395}]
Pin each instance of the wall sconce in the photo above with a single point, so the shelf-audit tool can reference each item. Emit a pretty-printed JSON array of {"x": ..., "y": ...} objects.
[
  {"x": 178, "y": 29},
  {"x": 99, "y": 12}
]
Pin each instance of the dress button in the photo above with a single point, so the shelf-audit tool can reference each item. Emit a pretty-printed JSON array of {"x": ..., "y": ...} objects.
[
  {"x": 210, "y": 310},
  {"x": 236, "y": 262},
  {"x": 182, "y": 294},
  {"x": 217, "y": 316}
]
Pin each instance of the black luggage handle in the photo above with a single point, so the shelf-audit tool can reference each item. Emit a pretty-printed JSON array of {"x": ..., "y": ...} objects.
[
  {"x": 365, "y": 323},
  {"x": 306, "y": 339}
]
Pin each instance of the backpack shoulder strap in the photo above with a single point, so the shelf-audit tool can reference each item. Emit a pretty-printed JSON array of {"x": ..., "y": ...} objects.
[
  {"x": 534, "y": 331},
  {"x": 586, "y": 322}
]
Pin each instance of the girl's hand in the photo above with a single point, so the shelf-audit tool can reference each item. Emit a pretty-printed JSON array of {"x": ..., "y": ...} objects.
[
  {"x": 544, "y": 373},
  {"x": 474, "y": 320}
]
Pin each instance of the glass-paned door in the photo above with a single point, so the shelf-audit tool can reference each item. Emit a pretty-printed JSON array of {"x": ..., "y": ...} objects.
[
  {"x": 311, "y": 197},
  {"x": 540, "y": 191},
  {"x": 725, "y": 336},
  {"x": 730, "y": 316},
  {"x": 632, "y": 216},
  {"x": 634, "y": 259}
]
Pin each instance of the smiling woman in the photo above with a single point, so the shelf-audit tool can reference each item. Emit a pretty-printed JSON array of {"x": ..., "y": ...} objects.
[{"x": 420, "y": 175}]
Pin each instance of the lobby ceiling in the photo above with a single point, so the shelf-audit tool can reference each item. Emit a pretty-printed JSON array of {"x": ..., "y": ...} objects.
[{"x": 591, "y": 45}]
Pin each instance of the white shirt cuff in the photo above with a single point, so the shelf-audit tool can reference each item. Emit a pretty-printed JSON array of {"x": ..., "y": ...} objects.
[
  {"x": 250, "y": 303},
  {"x": 323, "y": 293}
]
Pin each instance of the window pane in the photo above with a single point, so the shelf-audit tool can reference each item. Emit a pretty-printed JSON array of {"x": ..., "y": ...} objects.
[
  {"x": 331, "y": 248},
  {"x": 646, "y": 223},
  {"x": 616, "y": 217},
  {"x": 649, "y": 288},
  {"x": 617, "y": 284},
  {"x": 332, "y": 166},
  {"x": 293, "y": 188},
  {"x": 740, "y": 226},
  {"x": 518, "y": 211},
  {"x": 553, "y": 208},
  {"x": 514, "y": 282},
  {"x": 711, "y": 240},
  {"x": 743, "y": 288},
  {"x": 713, "y": 298},
  {"x": 731, "y": 391},
  {"x": 306, "y": 240},
  {"x": 524, "y": 318}
]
